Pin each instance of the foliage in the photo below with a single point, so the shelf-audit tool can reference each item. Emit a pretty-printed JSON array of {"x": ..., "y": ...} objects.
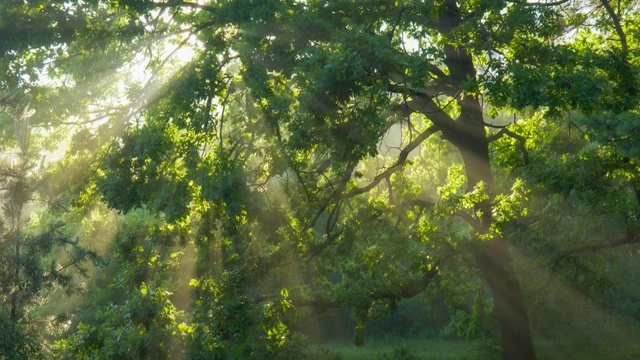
[
  {"x": 37, "y": 257},
  {"x": 124, "y": 324},
  {"x": 15, "y": 343}
]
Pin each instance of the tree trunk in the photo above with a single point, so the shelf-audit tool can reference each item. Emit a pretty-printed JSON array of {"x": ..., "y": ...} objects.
[
  {"x": 13, "y": 313},
  {"x": 492, "y": 257},
  {"x": 494, "y": 261}
]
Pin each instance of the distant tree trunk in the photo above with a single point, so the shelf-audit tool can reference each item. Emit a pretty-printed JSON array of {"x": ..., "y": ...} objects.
[{"x": 13, "y": 314}]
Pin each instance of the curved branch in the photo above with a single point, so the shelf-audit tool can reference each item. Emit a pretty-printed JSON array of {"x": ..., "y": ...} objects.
[
  {"x": 441, "y": 85},
  {"x": 332, "y": 221},
  {"x": 630, "y": 238},
  {"x": 616, "y": 24},
  {"x": 402, "y": 158},
  {"x": 493, "y": 126},
  {"x": 572, "y": 254},
  {"x": 427, "y": 107},
  {"x": 335, "y": 196},
  {"x": 412, "y": 288},
  {"x": 521, "y": 142}
]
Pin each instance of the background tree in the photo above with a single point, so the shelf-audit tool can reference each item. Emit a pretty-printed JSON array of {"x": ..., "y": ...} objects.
[{"x": 32, "y": 264}]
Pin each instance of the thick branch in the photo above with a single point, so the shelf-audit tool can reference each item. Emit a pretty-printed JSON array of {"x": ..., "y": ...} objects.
[
  {"x": 413, "y": 288},
  {"x": 335, "y": 196},
  {"x": 441, "y": 85},
  {"x": 631, "y": 238},
  {"x": 402, "y": 158},
  {"x": 426, "y": 106},
  {"x": 316, "y": 250},
  {"x": 329, "y": 233},
  {"x": 616, "y": 24},
  {"x": 494, "y": 126}
]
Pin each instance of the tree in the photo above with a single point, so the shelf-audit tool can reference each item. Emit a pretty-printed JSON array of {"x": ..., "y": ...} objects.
[
  {"x": 287, "y": 100},
  {"x": 331, "y": 78},
  {"x": 31, "y": 260}
]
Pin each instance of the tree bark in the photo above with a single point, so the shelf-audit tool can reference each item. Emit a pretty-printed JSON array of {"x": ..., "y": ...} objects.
[{"x": 494, "y": 261}]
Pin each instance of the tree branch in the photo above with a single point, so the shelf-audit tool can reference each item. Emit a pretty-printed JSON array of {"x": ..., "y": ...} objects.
[
  {"x": 521, "y": 142},
  {"x": 412, "y": 288},
  {"x": 331, "y": 236},
  {"x": 405, "y": 290},
  {"x": 425, "y": 204},
  {"x": 335, "y": 195},
  {"x": 553, "y": 3},
  {"x": 316, "y": 250},
  {"x": 426, "y": 106},
  {"x": 402, "y": 158},
  {"x": 630, "y": 238},
  {"x": 439, "y": 86},
  {"x": 616, "y": 24},
  {"x": 497, "y": 126},
  {"x": 187, "y": 4}
]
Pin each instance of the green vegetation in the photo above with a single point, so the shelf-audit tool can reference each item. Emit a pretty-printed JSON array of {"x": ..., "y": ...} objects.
[
  {"x": 409, "y": 349},
  {"x": 320, "y": 179}
]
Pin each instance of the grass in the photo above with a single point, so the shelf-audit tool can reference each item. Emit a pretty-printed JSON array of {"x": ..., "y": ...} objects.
[
  {"x": 437, "y": 349},
  {"x": 554, "y": 350},
  {"x": 422, "y": 349}
]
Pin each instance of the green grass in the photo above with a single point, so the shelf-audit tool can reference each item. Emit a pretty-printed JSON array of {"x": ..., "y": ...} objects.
[
  {"x": 422, "y": 349},
  {"x": 469, "y": 350},
  {"x": 575, "y": 350}
]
